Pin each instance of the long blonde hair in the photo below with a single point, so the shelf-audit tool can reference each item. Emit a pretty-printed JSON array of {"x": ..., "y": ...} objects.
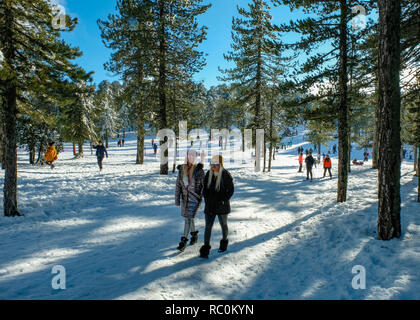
[
  {"x": 218, "y": 159},
  {"x": 218, "y": 179}
]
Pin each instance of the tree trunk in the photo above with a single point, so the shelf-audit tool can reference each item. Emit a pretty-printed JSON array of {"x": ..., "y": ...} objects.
[
  {"x": 80, "y": 148},
  {"x": 257, "y": 108},
  {"x": 175, "y": 154},
  {"x": 415, "y": 159},
  {"x": 2, "y": 140},
  {"x": 375, "y": 149},
  {"x": 106, "y": 141},
  {"x": 418, "y": 185},
  {"x": 164, "y": 168},
  {"x": 10, "y": 180},
  {"x": 32, "y": 153},
  {"x": 74, "y": 149},
  {"x": 10, "y": 113},
  {"x": 349, "y": 166},
  {"x": 40, "y": 153},
  {"x": 418, "y": 174},
  {"x": 265, "y": 156},
  {"x": 343, "y": 113},
  {"x": 173, "y": 103},
  {"x": 389, "y": 224},
  {"x": 140, "y": 134},
  {"x": 271, "y": 137}
]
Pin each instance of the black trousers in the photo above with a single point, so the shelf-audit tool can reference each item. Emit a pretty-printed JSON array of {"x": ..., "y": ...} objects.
[
  {"x": 100, "y": 160},
  {"x": 329, "y": 170},
  {"x": 308, "y": 171}
]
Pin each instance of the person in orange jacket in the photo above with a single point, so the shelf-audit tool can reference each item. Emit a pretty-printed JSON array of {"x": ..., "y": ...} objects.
[
  {"x": 51, "y": 155},
  {"x": 300, "y": 161},
  {"x": 327, "y": 165}
]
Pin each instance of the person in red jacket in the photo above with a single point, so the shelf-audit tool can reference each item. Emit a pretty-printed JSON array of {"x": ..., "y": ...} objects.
[
  {"x": 327, "y": 166},
  {"x": 300, "y": 162}
]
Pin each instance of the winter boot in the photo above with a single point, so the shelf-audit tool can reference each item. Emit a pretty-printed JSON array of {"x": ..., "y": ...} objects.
[
  {"x": 194, "y": 238},
  {"x": 204, "y": 251},
  {"x": 182, "y": 244},
  {"x": 223, "y": 245}
]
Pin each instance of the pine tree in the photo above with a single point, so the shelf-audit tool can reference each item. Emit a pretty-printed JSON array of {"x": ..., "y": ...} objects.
[
  {"x": 319, "y": 133},
  {"x": 2, "y": 131},
  {"x": 257, "y": 55},
  {"x": 79, "y": 125},
  {"x": 157, "y": 52},
  {"x": 105, "y": 105},
  {"x": 37, "y": 124},
  {"x": 389, "y": 224},
  {"x": 327, "y": 26},
  {"x": 34, "y": 57}
]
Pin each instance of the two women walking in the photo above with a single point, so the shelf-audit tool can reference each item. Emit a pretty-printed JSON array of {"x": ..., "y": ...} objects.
[{"x": 216, "y": 187}]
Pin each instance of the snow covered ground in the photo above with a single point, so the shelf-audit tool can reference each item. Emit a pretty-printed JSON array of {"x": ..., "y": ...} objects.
[{"x": 116, "y": 234}]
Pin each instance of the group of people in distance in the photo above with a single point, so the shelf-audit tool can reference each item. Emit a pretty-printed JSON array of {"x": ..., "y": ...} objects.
[
  {"x": 51, "y": 155},
  {"x": 216, "y": 187},
  {"x": 310, "y": 162}
]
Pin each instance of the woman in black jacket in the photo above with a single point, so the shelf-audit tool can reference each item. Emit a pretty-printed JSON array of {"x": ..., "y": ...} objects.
[{"x": 218, "y": 189}]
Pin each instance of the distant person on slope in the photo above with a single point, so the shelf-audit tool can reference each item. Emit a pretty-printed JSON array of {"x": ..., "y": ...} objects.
[
  {"x": 189, "y": 194},
  {"x": 327, "y": 166},
  {"x": 51, "y": 155},
  {"x": 300, "y": 162},
  {"x": 309, "y": 164},
  {"x": 218, "y": 189},
  {"x": 365, "y": 156},
  {"x": 100, "y": 153}
]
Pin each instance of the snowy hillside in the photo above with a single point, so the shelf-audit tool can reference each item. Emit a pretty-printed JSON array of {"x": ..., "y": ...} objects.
[{"x": 116, "y": 234}]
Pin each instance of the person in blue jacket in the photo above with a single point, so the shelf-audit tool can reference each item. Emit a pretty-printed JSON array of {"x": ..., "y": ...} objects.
[{"x": 100, "y": 153}]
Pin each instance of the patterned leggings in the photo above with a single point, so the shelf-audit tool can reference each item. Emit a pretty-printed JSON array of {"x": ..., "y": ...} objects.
[{"x": 189, "y": 226}]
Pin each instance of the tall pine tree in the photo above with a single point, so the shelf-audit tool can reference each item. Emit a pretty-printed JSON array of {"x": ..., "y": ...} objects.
[
  {"x": 33, "y": 53},
  {"x": 389, "y": 221}
]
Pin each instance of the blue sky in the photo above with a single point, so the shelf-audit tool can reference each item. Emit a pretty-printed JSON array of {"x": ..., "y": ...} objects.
[{"x": 218, "y": 19}]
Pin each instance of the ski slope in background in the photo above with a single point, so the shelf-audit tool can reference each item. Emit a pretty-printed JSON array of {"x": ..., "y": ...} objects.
[{"x": 116, "y": 234}]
